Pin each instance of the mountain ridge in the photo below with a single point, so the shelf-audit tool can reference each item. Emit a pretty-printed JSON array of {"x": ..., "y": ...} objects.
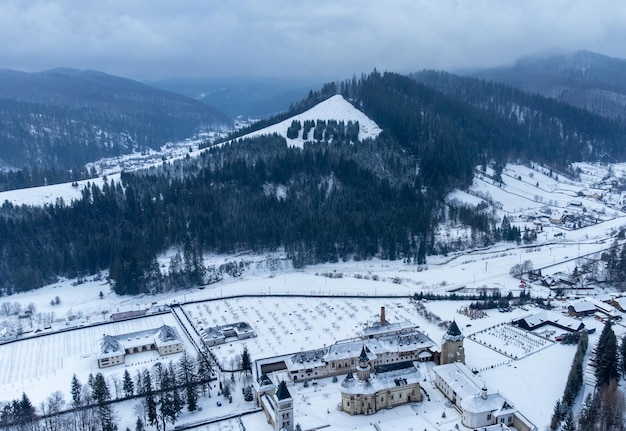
[
  {"x": 585, "y": 79},
  {"x": 64, "y": 118}
]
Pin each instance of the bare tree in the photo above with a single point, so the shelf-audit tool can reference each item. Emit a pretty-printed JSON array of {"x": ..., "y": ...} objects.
[
  {"x": 16, "y": 307},
  {"x": 6, "y": 308}
]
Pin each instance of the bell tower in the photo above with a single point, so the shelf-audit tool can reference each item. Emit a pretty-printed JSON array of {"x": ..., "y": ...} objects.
[
  {"x": 284, "y": 414},
  {"x": 452, "y": 345},
  {"x": 364, "y": 369}
]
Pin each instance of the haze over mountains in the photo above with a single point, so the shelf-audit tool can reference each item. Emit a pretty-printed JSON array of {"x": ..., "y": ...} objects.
[
  {"x": 65, "y": 118},
  {"x": 256, "y": 97},
  {"x": 584, "y": 79}
]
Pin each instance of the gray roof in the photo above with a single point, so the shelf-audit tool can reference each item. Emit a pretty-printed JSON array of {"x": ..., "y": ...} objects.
[
  {"x": 109, "y": 346},
  {"x": 114, "y": 345},
  {"x": 381, "y": 381},
  {"x": 453, "y": 333},
  {"x": 282, "y": 393}
]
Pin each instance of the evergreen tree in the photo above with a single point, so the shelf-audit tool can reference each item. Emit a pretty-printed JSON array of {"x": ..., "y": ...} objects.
[
  {"x": 151, "y": 405},
  {"x": 139, "y": 424},
  {"x": 128, "y": 386},
  {"x": 24, "y": 411},
  {"x": 102, "y": 396},
  {"x": 569, "y": 425},
  {"x": 204, "y": 372},
  {"x": 607, "y": 361},
  {"x": 246, "y": 362},
  {"x": 589, "y": 412},
  {"x": 623, "y": 356},
  {"x": 76, "y": 391},
  {"x": 186, "y": 370}
]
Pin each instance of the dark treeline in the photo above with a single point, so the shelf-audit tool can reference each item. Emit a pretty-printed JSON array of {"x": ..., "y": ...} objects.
[
  {"x": 336, "y": 198},
  {"x": 34, "y": 177},
  {"x": 332, "y": 207}
]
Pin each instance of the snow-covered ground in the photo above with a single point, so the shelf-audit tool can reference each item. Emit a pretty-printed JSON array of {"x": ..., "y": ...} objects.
[{"x": 533, "y": 381}]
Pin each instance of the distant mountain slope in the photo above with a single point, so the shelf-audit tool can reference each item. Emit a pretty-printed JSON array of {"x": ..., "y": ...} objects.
[
  {"x": 66, "y": 118},
  {"x": 250, "y": 97},
  {"x": 530, "y": 126},
  {"x": 584, "y": 79}
]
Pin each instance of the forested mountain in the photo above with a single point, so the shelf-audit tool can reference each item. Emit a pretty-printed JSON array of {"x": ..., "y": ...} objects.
[
  {"x": 64, "y": 118},
  {"x": 250, "y": 97},
  {"x": 336, "y": 198},
  {"x": 532, "y": 127},
  {"x": 584, "y": 79}
]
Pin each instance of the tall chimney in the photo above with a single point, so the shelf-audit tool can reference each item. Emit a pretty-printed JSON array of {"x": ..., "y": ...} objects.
[{"x": 382, "y": 316}]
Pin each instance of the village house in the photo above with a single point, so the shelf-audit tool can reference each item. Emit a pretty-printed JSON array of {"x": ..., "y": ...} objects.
[
  {"x": 619, "y": 303},
  {"x": 549, "y": 318},
  {"x": 581, "y": 309}
]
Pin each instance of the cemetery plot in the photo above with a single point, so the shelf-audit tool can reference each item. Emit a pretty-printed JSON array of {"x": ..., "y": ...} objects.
[
  {"x": 510, "y": 340},
  {"x": 289, "y": 325}
]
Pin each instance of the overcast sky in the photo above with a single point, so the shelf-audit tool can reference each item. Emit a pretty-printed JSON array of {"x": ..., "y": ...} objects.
[{"x": 155, "y": 39}]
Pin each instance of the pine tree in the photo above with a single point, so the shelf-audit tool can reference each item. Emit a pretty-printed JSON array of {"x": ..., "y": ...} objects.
[
  {"x": 555, "y": 421},
  {"x": 188, "y": 379},
  {"x": 246, "y": 362},
  {"x": 589, "y": 413},
  {"x": 102, "y": 396},
  {"x": 139, "y": 424},
  {"x": 607, "y": 366},
  {"x": 151, "y": 405},
  {"x": 623, "y": 356},
  {"x": 24, "y": 410},
  {"x": 204, "y": 373},
  {"x": 128, "y": 385},
  {"x": 569, "y": 425},
  {"x": 76, "y": 391}
]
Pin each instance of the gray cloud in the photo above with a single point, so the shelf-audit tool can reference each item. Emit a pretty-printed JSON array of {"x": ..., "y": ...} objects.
[{"x": 152, "y": 39}]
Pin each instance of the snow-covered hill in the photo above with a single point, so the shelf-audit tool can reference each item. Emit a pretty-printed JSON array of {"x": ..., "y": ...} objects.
[{"x": 334, "y": 108}]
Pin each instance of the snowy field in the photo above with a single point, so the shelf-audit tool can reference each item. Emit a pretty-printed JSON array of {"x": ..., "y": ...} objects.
[{"x": 66, "y": 353}]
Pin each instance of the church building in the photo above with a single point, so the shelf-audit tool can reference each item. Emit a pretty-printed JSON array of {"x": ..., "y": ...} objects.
[{"x": 383, "y": 388}]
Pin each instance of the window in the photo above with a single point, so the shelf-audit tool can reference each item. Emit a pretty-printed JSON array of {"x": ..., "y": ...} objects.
[{"x": 489, "y": 417}]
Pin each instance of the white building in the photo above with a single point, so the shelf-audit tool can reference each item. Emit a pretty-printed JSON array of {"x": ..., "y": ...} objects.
[
  {"x": 478, "y": 406},
  {"x": 114, "y": 348}
]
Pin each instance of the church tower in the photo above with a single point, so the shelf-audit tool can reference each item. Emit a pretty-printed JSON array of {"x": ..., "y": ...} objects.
[
  {"x": 363, "y": 370},
  {"x": 284, "y": 414},
  {"x": 452, "y": 346}
]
